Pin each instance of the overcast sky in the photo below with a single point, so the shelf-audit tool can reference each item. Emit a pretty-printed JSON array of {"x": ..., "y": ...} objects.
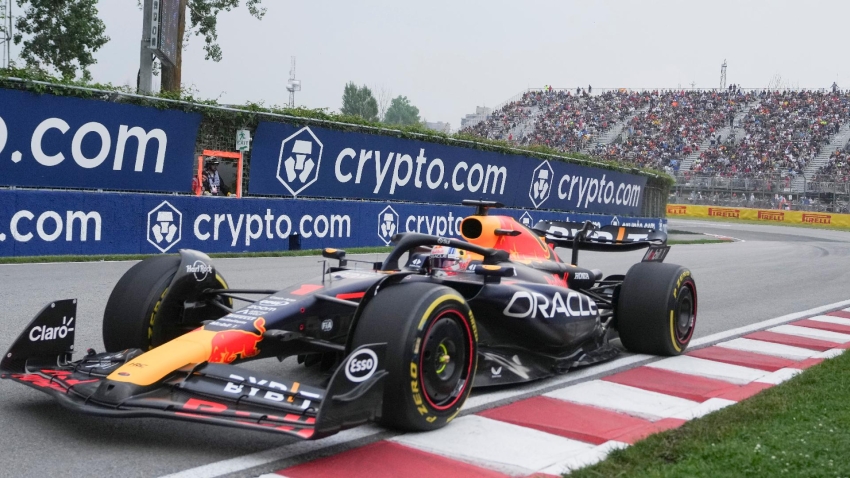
[{"x": 448, "y": 57}]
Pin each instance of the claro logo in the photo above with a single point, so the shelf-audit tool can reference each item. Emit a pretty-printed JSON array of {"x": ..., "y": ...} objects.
[{"x": 54, "y": 131}]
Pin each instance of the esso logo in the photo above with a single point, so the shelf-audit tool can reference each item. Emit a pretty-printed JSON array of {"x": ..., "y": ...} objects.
[{"x": 361, "y": 365}]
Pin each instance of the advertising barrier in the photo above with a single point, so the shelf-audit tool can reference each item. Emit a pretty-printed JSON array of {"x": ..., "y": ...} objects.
[
  {"x": 63, "y": 142},
  {"x": 295, "y": 161},
  {"x": 768, "y": 216},
  {"x": 34, "y": 223}
]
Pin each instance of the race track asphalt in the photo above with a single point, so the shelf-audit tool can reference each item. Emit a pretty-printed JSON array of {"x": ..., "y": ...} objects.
[{"x": 774, "y": 271}]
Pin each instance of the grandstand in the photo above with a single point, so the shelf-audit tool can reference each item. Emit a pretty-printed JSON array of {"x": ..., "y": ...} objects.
[{"x": 767, "y": 142}]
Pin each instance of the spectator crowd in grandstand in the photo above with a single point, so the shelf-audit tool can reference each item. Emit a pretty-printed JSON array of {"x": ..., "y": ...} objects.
[{"x": 779, "y": 131}]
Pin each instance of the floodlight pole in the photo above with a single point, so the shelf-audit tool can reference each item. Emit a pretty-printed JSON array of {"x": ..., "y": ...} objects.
[{"x": 145, "y": 81}]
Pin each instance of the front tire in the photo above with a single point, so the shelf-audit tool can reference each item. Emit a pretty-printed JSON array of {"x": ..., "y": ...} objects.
[
  {"x": 657, "y": 309},
  {"x": 134, "y": 316},
  {"x": 432, "y": 352}
]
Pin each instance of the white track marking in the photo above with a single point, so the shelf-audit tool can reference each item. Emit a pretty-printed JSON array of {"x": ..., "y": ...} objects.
[
  {"x": 709, "y": 368},
  {"x": 768, "y": 348},
  {"x": 624, "y": 399},
  {"x": 245, "y": 462},
  {"x": 709, "y": 339},
  {"x": 493, "y": 444},
  {"x": 578, "y": 375},
  {"x": 587, "y": 458},
  {"x": 831, "y": 353},
  {"x": 242, "y": 463},
  {"x": 829, "y": 319},
  {"x": 811, "y": 333},
  {"x": 704, "y": 408},
  {"x": 779, "y": 376}
]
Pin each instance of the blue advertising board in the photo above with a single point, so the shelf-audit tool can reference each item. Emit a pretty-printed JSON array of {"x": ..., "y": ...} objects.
[
  {"x": 307, "y": 161},
  {"x": 61, "y": 142},
  {"x": 36, "y": 223}
]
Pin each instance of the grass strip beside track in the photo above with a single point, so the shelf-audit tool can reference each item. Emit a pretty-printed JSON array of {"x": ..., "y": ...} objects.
[
  {"x": 138, "y": 257},
  {"x": 800, "y": 428}
]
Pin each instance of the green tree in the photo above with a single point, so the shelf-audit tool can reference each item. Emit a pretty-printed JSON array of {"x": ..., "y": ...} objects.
[
  {"x": 359, "y": 101},
  {"x": 401, "y": 112},
  {"x": 61, "y": 34}
]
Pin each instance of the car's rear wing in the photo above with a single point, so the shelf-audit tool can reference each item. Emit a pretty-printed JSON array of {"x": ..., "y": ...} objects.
[{"x": 587, "y": 237}]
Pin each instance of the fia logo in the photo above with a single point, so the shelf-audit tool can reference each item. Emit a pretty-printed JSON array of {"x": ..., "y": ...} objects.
[
  {"x": 387, "y": 224},
  {"x": 526, "y": 219},
  {"x": 165, "y": 225},
  {"x": 299, "y": 161},
  {"x": 541, "y": 184}
]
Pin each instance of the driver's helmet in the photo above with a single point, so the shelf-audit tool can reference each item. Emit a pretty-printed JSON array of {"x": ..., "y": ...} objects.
[{"x": 448, "y": 259}]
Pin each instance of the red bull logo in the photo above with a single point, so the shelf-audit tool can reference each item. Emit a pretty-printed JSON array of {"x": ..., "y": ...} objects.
[{"x": 228, "y": 345}]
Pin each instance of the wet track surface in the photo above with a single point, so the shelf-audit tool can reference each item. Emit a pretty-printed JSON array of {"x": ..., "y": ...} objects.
[{"x": 774, "y": 271}]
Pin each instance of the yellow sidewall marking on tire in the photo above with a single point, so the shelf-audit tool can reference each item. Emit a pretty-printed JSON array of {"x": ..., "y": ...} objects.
[
  {"x": 673, "y": 334},
  {"x": 436, "y": 304}
]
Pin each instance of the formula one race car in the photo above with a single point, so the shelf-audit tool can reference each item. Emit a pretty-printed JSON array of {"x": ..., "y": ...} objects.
[{"x": 405, "y": 339}]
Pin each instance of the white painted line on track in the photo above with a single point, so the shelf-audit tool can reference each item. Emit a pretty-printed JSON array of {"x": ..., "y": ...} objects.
[
  {"x": 831, "y": 353},
  {"x": 709, "y": 339},
  {"x": 245, "y": 462},
  {"x": 704, "y": 408},
  {"x": 624, "y": 399},
  {"x": 242, "y": 463},
  {"x": 810, "y": 333},
  {"x": 709, "y": 369},
  {"x": 769, "y": 348},
  {"x": 830, "y": 319},
  {"x": 588, "y": 458},
  {"x": 493, "y": 444},
  {"x": 779, "y": 376}
]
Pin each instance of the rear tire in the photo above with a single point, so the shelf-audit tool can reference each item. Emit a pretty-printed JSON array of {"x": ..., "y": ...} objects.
[
  {"x": 133, "y": 317},
  {"x": 657, "y": 309},
  {"x": 432, "y": 352}
]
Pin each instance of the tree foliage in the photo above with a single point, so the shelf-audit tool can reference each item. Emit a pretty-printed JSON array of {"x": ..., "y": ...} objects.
[
  {"x": 401, "y": 112},
  {"x": 62, "y": 34},
  {"x": 359, "y": 101},
  {"x": 203, "y": 17}
]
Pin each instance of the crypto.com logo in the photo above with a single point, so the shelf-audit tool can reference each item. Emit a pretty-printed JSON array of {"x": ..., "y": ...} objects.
[
  {"x": 299, "y": 161},
  {"x": 541, "y": 184},
  {"x": 165, "y": 226},
  {"x": 387, "y": 224}
]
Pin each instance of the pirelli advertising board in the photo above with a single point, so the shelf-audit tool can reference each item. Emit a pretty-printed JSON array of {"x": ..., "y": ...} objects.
[{"x": 766, "y": 215}]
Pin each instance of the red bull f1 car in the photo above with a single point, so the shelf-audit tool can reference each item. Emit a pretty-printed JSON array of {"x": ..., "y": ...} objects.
[{"x": 403, "y": 341}]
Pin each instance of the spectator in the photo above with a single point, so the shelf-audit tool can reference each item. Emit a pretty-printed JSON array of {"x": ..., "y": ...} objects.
[{"x": 213, "y": 185}]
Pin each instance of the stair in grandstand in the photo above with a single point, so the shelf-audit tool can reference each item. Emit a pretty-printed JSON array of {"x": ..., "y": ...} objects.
[
  {"x": 838, "y": 141},
  {"x": 724, "y": 133},
  {"x": 526, "y": 126},
  {"x": 614, "y": 131}
]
